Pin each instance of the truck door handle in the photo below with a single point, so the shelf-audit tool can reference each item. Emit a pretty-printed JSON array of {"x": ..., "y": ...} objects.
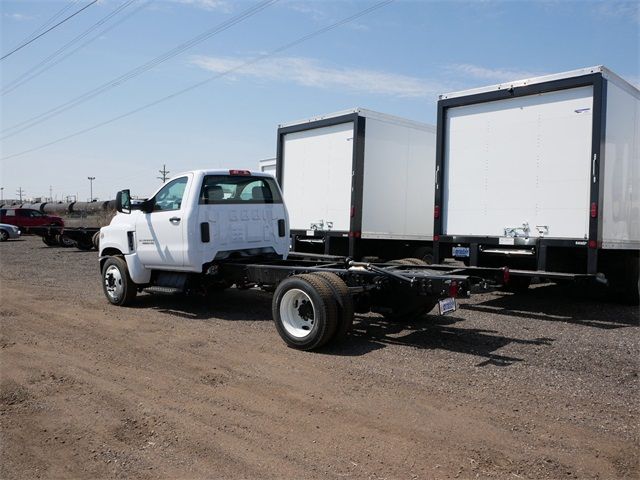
[{"x": 174, "y": 219}]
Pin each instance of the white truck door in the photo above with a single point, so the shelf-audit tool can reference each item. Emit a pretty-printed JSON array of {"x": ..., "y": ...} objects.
[
  {"x": 317, "y": 176},
  {"x": 160, "y": 234}
]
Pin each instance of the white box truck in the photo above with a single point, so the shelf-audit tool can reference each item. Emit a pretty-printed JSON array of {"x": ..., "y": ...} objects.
[
  {"x": 358, "y": 183},
  {"x": 542, "y": 175},
  {"x": 268, "y": 165}
]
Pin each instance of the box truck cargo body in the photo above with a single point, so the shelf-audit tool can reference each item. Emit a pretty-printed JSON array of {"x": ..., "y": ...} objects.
[
  {"x": 542, "y": 175},
  {"x": 268, "y": 165},
  {"x": 358, "y": 183}
]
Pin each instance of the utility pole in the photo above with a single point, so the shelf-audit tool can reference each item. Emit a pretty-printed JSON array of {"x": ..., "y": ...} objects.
[
  {"x": 1, "y": 194},
  {"x": 20, "y": 192},
  {"x": 91, "y": 179},
  {"x": 50, "y": 193},
  {"x": 164, "y": 172}
]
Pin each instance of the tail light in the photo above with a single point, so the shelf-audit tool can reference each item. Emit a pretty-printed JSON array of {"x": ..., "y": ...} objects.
[
  {"x": 240, "y": 172},
  {"x": 594, "y": 210},
  {"x": 436, "y": 238},
  {"x": 506, "y": 275},
  {"x": 593, "y": 244},
  {"x": 453, "y": 289},
  {"x": 436, "y": 212}
]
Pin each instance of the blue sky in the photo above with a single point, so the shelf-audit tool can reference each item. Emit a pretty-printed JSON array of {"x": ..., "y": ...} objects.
[{"x": 394, "y": 60}]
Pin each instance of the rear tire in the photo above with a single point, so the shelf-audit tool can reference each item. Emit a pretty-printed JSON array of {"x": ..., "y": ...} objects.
[
  {"x": 96, "y": 240},
  {"x": 50, "y": 240},
  {"x": 344, "y": 300},
  {"x": 116, "y": 282},
  {"x": 305, "y": 312},
  {"x": 410, "y": 261},
  {"x": 65, "y": 241}
]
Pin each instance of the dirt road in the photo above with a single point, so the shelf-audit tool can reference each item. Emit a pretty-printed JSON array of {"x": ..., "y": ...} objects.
[{"x": 543, "y": 385}]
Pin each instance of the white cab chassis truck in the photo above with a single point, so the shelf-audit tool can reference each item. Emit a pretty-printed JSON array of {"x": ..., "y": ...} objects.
[
  {"x": 205, "y": 231},
  {"x": 359, "y": 183},
  {"x": 542, "y": 175}
]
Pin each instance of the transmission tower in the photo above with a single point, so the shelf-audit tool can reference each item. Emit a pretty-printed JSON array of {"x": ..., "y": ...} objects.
[
  {"x": 165, "y": 173},
  {"x": 20, "y": 192}
]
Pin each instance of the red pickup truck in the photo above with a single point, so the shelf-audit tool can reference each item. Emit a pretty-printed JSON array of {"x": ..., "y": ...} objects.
[{"x": 26, "y": 218}]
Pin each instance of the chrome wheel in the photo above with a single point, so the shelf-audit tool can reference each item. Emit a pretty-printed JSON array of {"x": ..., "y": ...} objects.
[
  {"x": 297, "y": 313},
  {"x": 113, "y": 283}
]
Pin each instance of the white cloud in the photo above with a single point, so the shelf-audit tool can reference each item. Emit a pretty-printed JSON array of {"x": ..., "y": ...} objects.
[
  {"x": 221, "y": 5},
  {"x": 311, "y": 73},
  {"x": 491, "y": 74},
  {"x": 619, "y": 9},
  {"x": 17, "y": 16}
]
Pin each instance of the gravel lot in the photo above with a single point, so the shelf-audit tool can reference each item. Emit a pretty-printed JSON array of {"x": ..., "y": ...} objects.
[{"x": 541, "y": 385}]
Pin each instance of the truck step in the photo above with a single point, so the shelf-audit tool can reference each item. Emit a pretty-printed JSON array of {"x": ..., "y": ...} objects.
[{"x": 163, "y": 290}]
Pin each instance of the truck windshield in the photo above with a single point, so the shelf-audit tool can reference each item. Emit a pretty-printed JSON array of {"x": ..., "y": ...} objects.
[{"x": 228, "y": 189}]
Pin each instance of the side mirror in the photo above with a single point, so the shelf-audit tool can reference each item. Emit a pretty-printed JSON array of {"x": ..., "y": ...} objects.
[{"x": 123, "y": 201}]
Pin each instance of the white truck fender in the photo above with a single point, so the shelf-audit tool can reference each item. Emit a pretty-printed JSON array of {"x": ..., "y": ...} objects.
[{"x": 138, "y": 273}]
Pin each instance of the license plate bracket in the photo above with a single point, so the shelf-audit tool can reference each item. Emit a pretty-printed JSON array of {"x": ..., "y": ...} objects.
[
  {"x": 447, "y": 305},
  {"x": 460, "y": 252}
]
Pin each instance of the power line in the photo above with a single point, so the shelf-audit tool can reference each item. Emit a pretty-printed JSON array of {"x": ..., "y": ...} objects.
[
  {"x": 208, "y": 80},
  {"x": 51, "y": 59},
  {"x": 55, "y": 16},
  {"x": 20, "y": 47},
  {"x": 20, "y": 127}
]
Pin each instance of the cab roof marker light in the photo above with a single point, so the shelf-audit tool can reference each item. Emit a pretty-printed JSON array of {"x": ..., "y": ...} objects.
[{"x": 240, "y": 172}]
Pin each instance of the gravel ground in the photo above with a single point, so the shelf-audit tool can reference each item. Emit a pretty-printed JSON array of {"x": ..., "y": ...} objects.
[{"x": 538, "y": 385}]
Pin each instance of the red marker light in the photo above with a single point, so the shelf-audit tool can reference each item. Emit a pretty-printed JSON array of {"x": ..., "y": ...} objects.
[
  {"x": 239, "y": 172},
  {"x": 594, "y": 210},
  {"x": 436, "y": 212},
  {"x": 593, "y": 244},
  {"x": 353, "y": 212},
  {"x": 506, "y": 275},
  {"x": 453, "y": 289},
  {"x": 436, "y": 238}
]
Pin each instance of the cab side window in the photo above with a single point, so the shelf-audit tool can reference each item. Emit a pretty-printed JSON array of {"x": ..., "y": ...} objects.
[{"x": 170, "y": 196}]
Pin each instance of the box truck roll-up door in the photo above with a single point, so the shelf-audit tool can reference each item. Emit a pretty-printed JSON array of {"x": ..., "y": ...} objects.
[
  {"x": 317, "y": 167},
  {"x": 520, "y": 160}
]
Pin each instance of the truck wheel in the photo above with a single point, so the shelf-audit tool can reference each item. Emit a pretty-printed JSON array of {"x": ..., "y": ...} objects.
[
  {"x": 305, "y": 312},
  {"x": 96, "y": 240},
  {"x": 425, "y": 254},
  {"x": 50, "y": 240},
  {"x": 65, "y": 241},
  {"x": 4, "y": 236},
  {"x": 410, "y": 261},
  {"x": 344, "y": 300},
  {"x": 116, "y": 282},
  {"x": 85, "y": 245}
]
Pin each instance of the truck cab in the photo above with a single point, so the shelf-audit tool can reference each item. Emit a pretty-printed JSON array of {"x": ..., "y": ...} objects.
[{"x": 194, "y": 221}]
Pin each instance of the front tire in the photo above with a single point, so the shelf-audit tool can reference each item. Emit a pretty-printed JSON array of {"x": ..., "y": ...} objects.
[
  {"x": 4, "y": 236},
  {"x": 116, "y": 282},
  {"x": 305, "y": 312}
]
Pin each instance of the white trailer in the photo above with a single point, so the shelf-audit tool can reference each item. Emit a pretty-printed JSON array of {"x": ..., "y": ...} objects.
[
  {"x": 268, "y": 165},
  {"x": 358, "y": 183},
  {"x": 542, "y": 175}
]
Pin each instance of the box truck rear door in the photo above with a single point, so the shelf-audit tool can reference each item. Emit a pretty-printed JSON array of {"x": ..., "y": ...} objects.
[
  {"x": 317, "y": 166},
  {"x": 519, "y": 160}
]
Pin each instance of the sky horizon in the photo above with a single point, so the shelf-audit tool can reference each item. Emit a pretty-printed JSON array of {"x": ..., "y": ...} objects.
[{"x": 96, "y": 77}]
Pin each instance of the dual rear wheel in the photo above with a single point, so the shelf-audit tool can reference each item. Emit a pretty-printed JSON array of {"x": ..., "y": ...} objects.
[{"x": 312, "y": 310}]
